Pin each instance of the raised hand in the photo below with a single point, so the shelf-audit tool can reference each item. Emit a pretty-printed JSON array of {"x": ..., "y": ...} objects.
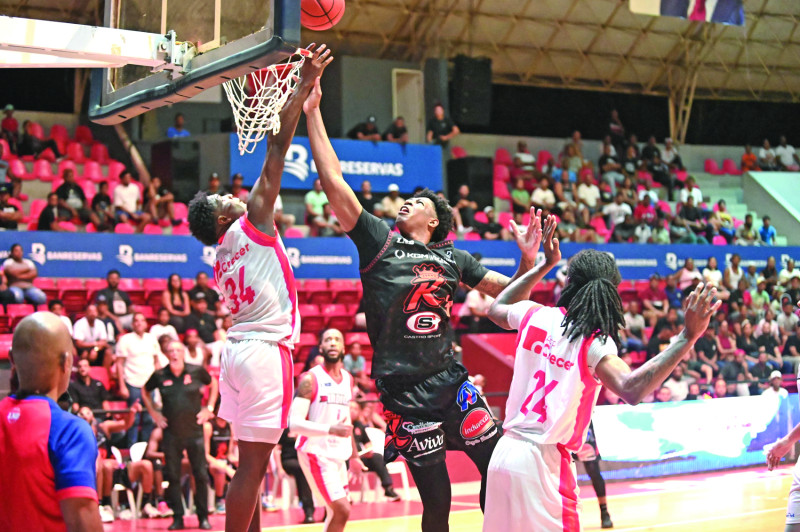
[
  {"x": 314, "y": 66},
  {"x": 552, "y": 250},
  {"x": 529, "y": 237},
  {"x": 698, "y": 309}
]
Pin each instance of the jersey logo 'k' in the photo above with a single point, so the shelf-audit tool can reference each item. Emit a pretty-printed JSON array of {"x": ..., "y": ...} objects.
[{"x": 429, "y": 278}]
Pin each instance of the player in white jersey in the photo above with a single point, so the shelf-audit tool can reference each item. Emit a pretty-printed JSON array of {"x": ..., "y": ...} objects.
[
  {"x": 563, "y": 356},
  {"x": 321, "y": 417},
  {"x": 254, "y": 274},
  {"x": 774, "y": 455}
]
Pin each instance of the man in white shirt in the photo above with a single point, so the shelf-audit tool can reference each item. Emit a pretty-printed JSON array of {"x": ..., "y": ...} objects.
[
  {"x": 670, "y": 155},
  {"x": 775, "y": 388},
  {"x": 137, "y": 359},
  {"x": 393, "y": 202},
  {"x": 128, "y": 203},
  {"x": 767, "y": 159},
  {"x": 787, "y": 156},
  {"x": 588, "y": 193},
  {"x": 91, "y": 338},
  {"x": 163, "y": 326},
  {"x": 678, "y": 384},
  {"x": 524, "y": 161},
  {"x": 787, "y": 274},
  {"x": 691, "y": 189},
  {"x": 617, "y": 211},
  {"x": 474, "y": 313},
  {"x": 542, "y": 197}
]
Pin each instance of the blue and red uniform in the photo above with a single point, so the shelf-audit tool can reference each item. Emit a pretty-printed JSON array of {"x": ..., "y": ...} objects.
[{"x": 46, "y": 455}]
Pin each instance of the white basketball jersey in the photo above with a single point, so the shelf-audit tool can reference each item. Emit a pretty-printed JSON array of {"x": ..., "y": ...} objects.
[
  {"x": 330, "y": 405},
  {"x": 553, "y": 390},
  {"x": 253, "y": 273}
]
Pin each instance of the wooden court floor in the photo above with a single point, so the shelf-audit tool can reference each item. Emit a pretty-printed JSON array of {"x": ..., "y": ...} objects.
[{"x": 739, "y": 501}]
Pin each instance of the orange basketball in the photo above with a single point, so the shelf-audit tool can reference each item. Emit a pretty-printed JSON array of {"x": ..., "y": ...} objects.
[{"x": 321, "y": 15}]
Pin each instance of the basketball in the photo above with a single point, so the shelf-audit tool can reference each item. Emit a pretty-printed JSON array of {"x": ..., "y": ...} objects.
[{"x": 319, "y": 15}]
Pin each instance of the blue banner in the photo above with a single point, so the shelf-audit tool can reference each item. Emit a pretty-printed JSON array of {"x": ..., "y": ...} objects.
[
  {"x": 381, "y": 163},
  {"x": 92, "y": 255}
]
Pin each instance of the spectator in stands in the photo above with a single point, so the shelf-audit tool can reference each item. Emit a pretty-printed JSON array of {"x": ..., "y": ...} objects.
[
  {"x": 770, "y": 274},
  {"x": 769, "y": 344},
  {"x": 137, "y": 359},
  {"x": 56, "y": 306},
  {"x": 707, "y": 352},
  {"x": 612, "y": 149},
  {"x": 767, "y": 232},
  {"x": 767, "y": 159},
  {"x": 520, "y": 200},
  {"x": 466, "y": 207},
  {"x": 356, "y": 365},
  {"x": 678, "y": 384},
  {"x": 220, "y": 451},
  {"x": 314, "y": 200},
  {"x": 103, "y": 208},
  {"x": 365, "y": 197},
  {"x": 661, "y": 174},
  {"x": 397, "y": 131},
  {"x": 9, "y": 128},
  {"x": 720, "y": 389},
  {"x": 29, "y": 144},
  {"x": 624, "y": 231},
  {"x": 175, "y": 299},
  {"x": 572, "y": 161},
  {"x": 631, "y": 162},
  {"x": 726, "y": 341},
  {"x": 196, "y": 351},
  {"x": 524, "y": 161},
  {"x": 215, "y": 305},
  {"x": 760, "y": 371},
  {"x": 752, "y": 275},
  {"x": 775, "y": 386},
  {"x": 474, "y": 312},
  {"x": 746, "y": 234},
  {"x": 10, "y": 215},
  {"x": 694, "y": 392},
  {"x": 666, "y": 327},
  {"x": 616, "y": 131},
  {"x": 91, "y": 339},
  {"x": 746, "y": 340},
  {"x": 86, "y": 391},
  {"x": 787, "y": 319},
  {"x": 749, "y": 160},
  {"x": 663, "y": 395},
  {"x": 654, "y": 300},
  {"x": 634, "y": 327},
  {"x": 688, "y": 275},
  {"x": 392, "y": 203},
  {"x": 491, "y": 230},
  {"x": 791, "y": 349},
  {"x": 610, "y": 168},
  {"x": 651, "y": 150},
  {"x": 759, "y": 298},
  {"x": 633, "y": 142},
  {"x": 787, "y": 274},
  {"x": 713, "y": 277},
  {"x": 441, "y": 128},
  {"x": 787, "y": 156},
  {"x": 104, "y": 314},
  {"x": 52, "y": 215},
  {"x": 7, "y": 177},
  {"x": 163, "y": 326},
  {"x": 696, "y": 221},
  {"x": 372, "y": 461},
  {"x": 616, "y": 212},
  {"x": 645, "y": 211},
  {"x": 159, "y": 202},
  {"x": 199, "y": 319},
  {"x": 283, "y": 220},
  {"x": 71, "y": 198},
  {"x": 327, "y": 224},
  {"x": 20, "y": 273},
  {"x": 543, "y": 198},
  {"x": 213, "y": 185},
  {"x": 681, "y": 233},
  {"x": 177, "y": 130},
  {"x": 237, "y": 188},
  {"x": 740, "y": 301},
  {"x": 589, "y": 194},
  {"x": 671, "y": 156},
  {"x": 286, "y": 459},
  {"x": 128, "y": 203},
  {"x": 367, "y": 130},
  {"x": 117, "y": 300},
  {"x": 735, "y": 372},
  {"x": 794, "y": 290},
  {"x": 734, "y": 273},
  {"x": 691, "y": 189}
]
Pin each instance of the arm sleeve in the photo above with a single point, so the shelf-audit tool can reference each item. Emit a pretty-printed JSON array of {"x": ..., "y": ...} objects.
[
  {"x": 298, "y": 422},
  {"x": 517, "y": 312},
  {"x": 152, "y": 383},
  {"x": 598, "y": 350},
  {"x": 73, "y": 453},
  {"x": 472, "y": 271},
  {"x": 369, "y": 235}
]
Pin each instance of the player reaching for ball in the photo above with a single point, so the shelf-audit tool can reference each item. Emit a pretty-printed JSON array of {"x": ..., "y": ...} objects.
[
  {"x": 254, "y": 274},
  {"x": 563, "y": 356},
  {"x": 409, "y": 281}
]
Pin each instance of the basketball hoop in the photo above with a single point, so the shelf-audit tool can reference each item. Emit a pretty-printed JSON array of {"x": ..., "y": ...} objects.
[{"x": 258, "y": 98}]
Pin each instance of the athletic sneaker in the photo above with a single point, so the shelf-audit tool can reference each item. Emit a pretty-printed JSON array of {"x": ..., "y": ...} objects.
[
  {"x": 106, "y": 514},
  {"x": 391, "y": 494},
  {"x": 126, "y": 514},
  {"x": 605, "y": 519},
  {"x": 267, "y": 504},
  {"x": 150, "y": 511},
  {"x": 220, "y": 509},
  {"x": 164, "y": 510}
]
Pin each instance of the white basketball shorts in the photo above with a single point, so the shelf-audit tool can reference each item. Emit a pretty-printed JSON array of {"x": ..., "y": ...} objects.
[{"x": 326, "y": 476}]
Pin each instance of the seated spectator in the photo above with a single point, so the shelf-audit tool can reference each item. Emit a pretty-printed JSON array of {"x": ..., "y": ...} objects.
[
  {"x": 713, "y": 277},
  {"x": 128, "y": 203},
  {"x": 670, "y": 156},
  {"x": 675, "y": 296},
  {"x": 589, "y": 194},
  {"x": 118, "y": 301},
  {"x": 633, "y": 142},
  {"x": 726, "y": 341},
  {"x": 367, "y": 130},
  {"x": 163, "y": 326},
  {"x": 691, "y": 189},
  {"x": 663, "y": 395},
  {"x": 200, "y": 320},
  {"x": 283, "y": 219},
  {"x": 567, "y": 230},
  {"x": 365, "y": 197},
  {"x": 787, "y": 320},
  {"x": 86, "y": 391},
  {"x": 465, "y": 207},
  {"x": 734, "y": 273},
  {"x": 159, "y": 202},
  {"x": 769, "y": 319},
  {"x": 678, "y": 384},
  {"x": 651, "y": 150},
  {"x": 372, "y": 461},
  {"x": 56, "y": 306},
  {"x": 440, "y": 127},
  {"x": 631, "y": 163},
  {"x": 520, "y": 200},
  {"x": 775, "y": 386},
  {"x": 749, "y": 160},
  {"x": 524, "y": 161},
  {"x": 681, "y": 232},
  {"x": 213, "y": 185},
  {"x": 787, "y": 156},
  {"x": 622, "y": 232},
  {"x": 491, "y": 230},
  {"x": 220, "y": 446},
  {"x": 696, "y": 220},
  {"x": 397, "y": 131},
  {"x": 215, "y": 303},
  {"x": 666, "y": 327},
  {"x": 767, "y": 159},
  {"x": 634, "y": 328},
  {"x": 29, "y": 144},
  {"x": 767, "y": 343},
  {"x": 688, "y": 275},
  {"x": 654, "y": 300},
  {"x": 791, "y": 349},
  {"x": 696, "y": 368},
  {"x": 91, "y": 339},
  {"x": 643, "y": 233},
  {"x": 542, "y": 197},
  {"x": 794, "y": 290},
  {"x": 113, "y": 323},
  {"x": 759, "y": 298},
  {"x": 103, "y": 208},
  {"x": 20, "y": 273},
  {"x": 786, "y": 275},
  {"x": 610, "y": 168},
  {"x": 10, "y": 215},
  {"x": 474, "y": 313},
  {"x": 175, "y": 299},
  {"x": 314, "y": 200},
  {"x": 770, "y": 274},
  {"x": 177, "y": 130},
  {"x": 572, "y": 160},
  {"x": 628, "y": 191},
  {"x": 694, "y": 392},
  {"x": 237, "y": 188},
  {"x": 645, "y": 212},
  {"x": 327, "y": 224},
  {"x": 722, "y": 221},
  {"x": 767, "y": 232},
  {"x": 707, "y": 351},
  {"x": 392, "y": 203},
  {"x": 720, "y": 389},
  {"x": 760, "y": 371},
  {"x": 52, "y": 215},
  {"x": 661, "y": 174},
  {"x": 9, "y": 128},
  {"x": 735, "y": 372},
  {"x": 356, "y": 365},
  {"x": 752, "y": 275},
  {"x": 71, "y": 198},
  {"x": 612, "y": 149},
  {"x": 7, "y": 177},
  {"x": 196, "y": 351}
]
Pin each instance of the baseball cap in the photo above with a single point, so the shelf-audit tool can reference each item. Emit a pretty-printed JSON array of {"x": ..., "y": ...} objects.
[
  {"x": 214, "y": 175},
  {"x": 394, "y": 188},
  {"x": 760, "y": 279},
  {"x": 8, "y": 107},
  {"x": 101, "y": 298},
  {"x": 775, "y": 375},
  {"x": 199, "y": 295},
  {"x": 655, "y": 276},
  {"x": 5, "y": 188},
  {"x": 488, "y": 209},
  {"x": 371, "y": 119}
]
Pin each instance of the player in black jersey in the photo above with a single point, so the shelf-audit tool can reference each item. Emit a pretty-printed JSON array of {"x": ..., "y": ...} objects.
[{"x": 409, "y": 281}]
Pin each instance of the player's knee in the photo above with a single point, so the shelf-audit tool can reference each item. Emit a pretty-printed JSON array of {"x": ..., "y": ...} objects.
[{"x": 341, "y": 510}]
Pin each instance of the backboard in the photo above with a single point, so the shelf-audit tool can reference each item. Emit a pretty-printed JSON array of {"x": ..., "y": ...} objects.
[{"x": 224, "y": 39}]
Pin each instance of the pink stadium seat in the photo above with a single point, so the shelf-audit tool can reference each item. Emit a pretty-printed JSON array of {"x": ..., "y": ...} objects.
[
  {"x": 115, "y": 168},
  {"x": 317, "y": 292},
  {"x": 182, "y": 229},
  {"x": 75, "y": 152},
  {"x": 92, "y": 172},
  {"x": 719, "y": 240},
  {"x": 5, "y": 343},
  {"x": 42, "y": 170},
  {"x": 293, "y": 232},
  {"x": 501, "y": 173},
  {"x": 37, "y": 206},
  {"x": 681, "y": 175},
  {"x": 68, "y": 227},
  {"x": 600, "y": 227},
  {"x": 152, "y": 229},
  {"x": 663, "y": 206},
  {"x": 481, "y": 217},
  {"x": 503, "y": 218},
  {"x": 710, "y": 167},
  {"x": 57, "y": 182},
  {"x": 16, "y": 312},
  {"x": 37, "y": 130},
  {"x": 17, "y": 168},
  {"x": 500, "y": 190},
  {"x": 502, "y": 156},
  {"x": 99, "y": 153},
  {"x": 542, "y": 158},
  {"x": 7, "y": 155},
  {"x": 101, "y": 374},
  {"x": 451, "y": 236},
  {"x": 84, "y": 135},
  {"x": 729, "y": 167},
  {"x": 90, "y": 228},
  {"x": 458, "y": 152},
  {"x": 181, "y": 210},
  {"x": 472, "y": 236},
  {"x": 67, "y": 164},
  {"x": 59, "y": 131},
  {"x": 124, "y": 229}
]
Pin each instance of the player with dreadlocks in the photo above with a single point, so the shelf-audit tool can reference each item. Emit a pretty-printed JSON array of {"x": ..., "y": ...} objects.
[{"x": 563, "y": 356}]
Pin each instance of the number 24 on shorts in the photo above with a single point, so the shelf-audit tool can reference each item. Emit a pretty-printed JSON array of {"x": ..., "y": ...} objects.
[
  {"x": 245, "y": 293},
  {"x": 538, "y": 407}
]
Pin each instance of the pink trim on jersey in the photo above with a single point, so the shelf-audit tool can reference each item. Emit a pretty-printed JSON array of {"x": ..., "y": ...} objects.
[
  {"x": 255, "y": 234},
  {"x": 316, "y": 473},
  {"x": 586, "y": 403},
  {"x": 566, "y": 488},
  {"x": 288, "y": 384},
  {"x": 288, "y": 276},
  {"x": 77, "y": 492},
  {"x": 525, "y": 319}
]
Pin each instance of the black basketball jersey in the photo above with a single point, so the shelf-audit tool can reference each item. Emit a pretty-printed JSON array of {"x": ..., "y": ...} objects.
[{"x": 408, "y": 296}]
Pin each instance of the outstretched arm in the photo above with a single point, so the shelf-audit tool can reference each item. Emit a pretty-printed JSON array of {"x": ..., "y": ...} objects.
[
  {"x": 261, "y": 203},
  {"x": 340, "y": 195},
  {"x": 634, "y": 385},
  {"x": 782, "y": 446}
]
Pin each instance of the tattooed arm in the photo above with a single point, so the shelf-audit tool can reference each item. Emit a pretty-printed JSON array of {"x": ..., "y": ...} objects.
[
  {"x": 634, "y": 385},
  {"x": 298, "y": 418}
]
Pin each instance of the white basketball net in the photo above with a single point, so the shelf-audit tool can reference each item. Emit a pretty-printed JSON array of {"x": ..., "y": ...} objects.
[{"x": 257, "y": 100}]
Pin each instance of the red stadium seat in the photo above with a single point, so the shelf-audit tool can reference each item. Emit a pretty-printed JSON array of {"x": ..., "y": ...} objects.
[
  {"x": 501, "y": 156},
  {"x": 710, "y": 167},
  {"x": 458, "y": 152},
  {"x": 93, "y": 286},
  {"x": 719, "y": 240},
  {"x": 363, "y": 339},
  {"x": 43, "y": 170},
  {"x": 153, "y": 289},
  {"x": 37, "y": 130},
  {"x": 88, "y": 190},
  {"x": 542, "y": 158},
  {"x": 64, "y": 165},
  {"x": 472, "y": 236},
  {"x": 304, "y": 345},
  {"x": 16, "y": 312},
  {"x": 182, "y": 229},
  {"x": 17, "y": 168},
  {"x": 48, "y": 286},
  {"x": 344, "y": 291},
  {"x": 500, "y": 190},
  {"x": 316, "y": 291},
  {"x": 181, "y": 210},
  {"x": 501, "y": 173},
  {"x": 115, "y": 168},
  {"x": 84, "y": 135},
  {"x": 124, "y": 229},
  {"x": 59, "y": 131},
  {"x": 503, "y": 218},
  {"x": 99, "y": 153},
  {"x": 37, "y": 206},
  {"x": 55, "y": 183},
  {"x": 5, "y": 345},
  {"x": 312, "y": 319},
  {"x": 75, "y": 152},
  {"x": 481, "y": 217},
  {"x": 100, "y": 373},
  {"x": 92, "y": 172},
  {"x": 153, "y": 229},
  {"x": 7, "y": 155},
  {"x": 73, "y": 293},
  {"x": 729, "y": 167},
  {"x": 134, "y": 289},
  {"x": 338, "y": 317}
]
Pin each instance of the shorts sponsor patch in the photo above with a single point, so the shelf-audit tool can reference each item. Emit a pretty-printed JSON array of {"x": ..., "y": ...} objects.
[
  {"x": 475, "y": 424},
  {"x": 467, "y": 395},
  {"x": 422, "y": 426}
]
